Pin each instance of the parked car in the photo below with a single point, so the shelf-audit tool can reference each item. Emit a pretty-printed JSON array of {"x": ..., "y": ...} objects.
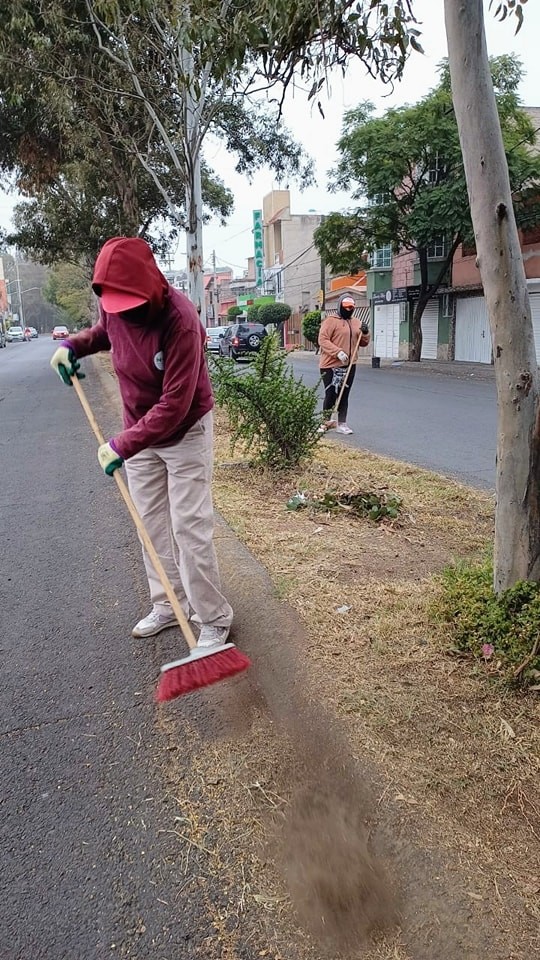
[
  {"x": 59, "y": 332},
  {"x": 242, "y": 339},
  {"x": 213, "y": 337},
  {"x": 33, "y": 332},
  {"x": 16, "y": 334}
]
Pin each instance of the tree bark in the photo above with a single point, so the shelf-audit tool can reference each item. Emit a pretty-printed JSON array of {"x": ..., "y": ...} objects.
[
  {"x": 517, "y": 520},
  {"x": 194, "y": 204},
  {"x": 427, "y": 291}
]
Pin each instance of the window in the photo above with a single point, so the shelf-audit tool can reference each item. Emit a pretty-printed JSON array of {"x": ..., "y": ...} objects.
[
  {"x": 437, "y": 170},
  {"x": 447, "y": 305},
  {"x": 438, "y": 250},
  {"x": 381, "y": 258}
]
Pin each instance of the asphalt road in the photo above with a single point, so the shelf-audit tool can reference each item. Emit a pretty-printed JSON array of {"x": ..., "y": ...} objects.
[
  {"x": 88, "y": 869},
  {"x": 444, "y": 423}
]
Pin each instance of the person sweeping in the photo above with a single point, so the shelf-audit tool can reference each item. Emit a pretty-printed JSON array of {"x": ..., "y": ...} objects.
[
  {"x": 157, "y": 343},
  {"x": 340, "y": 336}
]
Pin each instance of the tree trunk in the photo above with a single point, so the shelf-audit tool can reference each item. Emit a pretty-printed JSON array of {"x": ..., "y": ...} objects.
[
  {"x": 517, "y": 519},
  {"x": 416, "y": 328},
  {"x": 194, "y": 205},
  {"x": 194, "y": 238},
  {"x": 425, "y": 294}
]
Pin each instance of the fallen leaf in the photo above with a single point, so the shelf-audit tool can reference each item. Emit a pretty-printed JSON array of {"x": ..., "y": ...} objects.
[{"x": 506, "y": 730}]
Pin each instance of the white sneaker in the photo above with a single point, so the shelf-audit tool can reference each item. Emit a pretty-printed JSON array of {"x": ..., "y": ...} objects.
[
  {"x": 343, "y": 428},
  {"x": 211, "y": 636},
  {"x": 154, "y": 623}
]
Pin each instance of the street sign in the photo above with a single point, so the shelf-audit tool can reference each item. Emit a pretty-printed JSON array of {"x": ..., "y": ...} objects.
[{"x": 258, "y": 247}]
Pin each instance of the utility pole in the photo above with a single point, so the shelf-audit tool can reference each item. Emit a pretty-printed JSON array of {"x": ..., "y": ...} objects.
[
  {"x": 19, "y": 287},
  {"x": 323, "y": 280},
  {"x": 215, "y": 295}
]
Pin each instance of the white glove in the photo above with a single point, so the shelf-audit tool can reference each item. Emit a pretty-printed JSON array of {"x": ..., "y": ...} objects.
[{"x": 343, "y": 357}]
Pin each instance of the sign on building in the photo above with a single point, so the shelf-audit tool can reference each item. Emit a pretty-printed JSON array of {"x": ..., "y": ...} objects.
[{"x": 258, "y": 247}]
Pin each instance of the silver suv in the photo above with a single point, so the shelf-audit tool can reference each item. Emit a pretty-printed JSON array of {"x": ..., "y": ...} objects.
[{"x": 15, "y": 334}]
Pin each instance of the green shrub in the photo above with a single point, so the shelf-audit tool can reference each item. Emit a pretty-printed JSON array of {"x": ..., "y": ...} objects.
[
  {"x": 233, "y": 313},
  {"x": 253, "y": 313},
  {"x": 270, "y": 411},
  {"x": 311, "y": 324},
  {"x": 502, "y": 630},
  {"x": 275, "y": 313}
]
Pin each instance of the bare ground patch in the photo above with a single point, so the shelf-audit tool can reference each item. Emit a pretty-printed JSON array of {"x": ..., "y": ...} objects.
[{"x": 455, "y": 748}]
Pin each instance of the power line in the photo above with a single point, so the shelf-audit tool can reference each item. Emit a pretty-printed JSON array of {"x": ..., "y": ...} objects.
[{"x": 285, "y": 265}]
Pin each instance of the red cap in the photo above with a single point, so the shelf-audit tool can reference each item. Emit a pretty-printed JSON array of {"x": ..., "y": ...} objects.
[{"x": 116, "y": 301}]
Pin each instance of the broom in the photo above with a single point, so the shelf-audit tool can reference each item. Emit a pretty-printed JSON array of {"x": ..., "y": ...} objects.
[
  {"x": 202, "y": 667},
  {"x": 332, "y": 422}
]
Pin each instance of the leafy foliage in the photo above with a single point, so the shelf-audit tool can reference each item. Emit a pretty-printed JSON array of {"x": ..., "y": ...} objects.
[
  {"x": 93, "y": 114},
  {"x": 406, "y": 170},
  {"x": 253, "y": 313},
  {"x": 501, "y": 630},
  {"x": 371, "y": 505},
  {"x": 281, "y": 40},
  {"x": 270, "y": 411},
  {"x": 275, "y": 313},
  {"x": 68, "y": 289},
  {"x": 503, "y": 9},
  {"x": 311, "y": 324},
  {"x": 234, "y": 312}
]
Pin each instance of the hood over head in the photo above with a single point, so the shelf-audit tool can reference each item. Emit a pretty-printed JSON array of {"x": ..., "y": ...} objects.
[
  {"x": 346, "y": 306},
  {"x": 126, "y": 275}
]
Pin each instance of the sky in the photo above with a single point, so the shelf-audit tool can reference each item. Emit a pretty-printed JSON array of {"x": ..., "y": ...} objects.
[{"x": 233, "y": 243}]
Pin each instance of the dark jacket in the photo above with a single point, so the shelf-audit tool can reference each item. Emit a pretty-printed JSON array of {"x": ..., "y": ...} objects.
[{"x": 160, "y": 364}]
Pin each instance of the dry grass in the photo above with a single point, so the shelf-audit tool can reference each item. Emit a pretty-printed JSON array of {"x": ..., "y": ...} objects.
[{"x": 450, "y": 740}]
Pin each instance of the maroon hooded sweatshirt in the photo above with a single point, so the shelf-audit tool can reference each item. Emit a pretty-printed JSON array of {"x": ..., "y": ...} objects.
[{"x": 160, "y": 362}]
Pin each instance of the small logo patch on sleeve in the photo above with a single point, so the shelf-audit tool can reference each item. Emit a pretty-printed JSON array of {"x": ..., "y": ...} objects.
[{"x": 159, "y": 362}]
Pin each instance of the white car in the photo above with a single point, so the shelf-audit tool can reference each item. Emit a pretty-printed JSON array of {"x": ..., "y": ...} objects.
[
  {"x": 15, "y": 334},
  {"x": 213, "y": 336}
]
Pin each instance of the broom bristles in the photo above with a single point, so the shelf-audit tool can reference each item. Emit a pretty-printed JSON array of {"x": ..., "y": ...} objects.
[{"x": 198, "y": 671}]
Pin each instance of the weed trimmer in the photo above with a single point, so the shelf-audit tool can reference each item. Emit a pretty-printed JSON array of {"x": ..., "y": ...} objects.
[
  {"x": 202, "y": 667},
  {"x": 332, "y": 423}
]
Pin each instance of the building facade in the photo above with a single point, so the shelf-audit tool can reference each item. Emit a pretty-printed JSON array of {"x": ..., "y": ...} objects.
[{"x": 292, "y": 263}]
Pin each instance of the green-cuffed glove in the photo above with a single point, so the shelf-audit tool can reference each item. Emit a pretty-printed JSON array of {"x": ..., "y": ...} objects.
[
  {"x": 64, "y": 362},
  {"x": 109, "y": 459}
]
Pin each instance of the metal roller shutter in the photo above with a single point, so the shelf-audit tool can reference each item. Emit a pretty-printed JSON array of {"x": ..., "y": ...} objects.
[
  {"x": 535, "y": 315},
  {"x": 430, "y": 330}
]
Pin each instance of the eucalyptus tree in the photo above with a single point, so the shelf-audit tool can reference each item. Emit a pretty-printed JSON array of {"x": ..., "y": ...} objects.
[
  {"x": 517, "y": 519},
  {"x": 186, "y": 69}
]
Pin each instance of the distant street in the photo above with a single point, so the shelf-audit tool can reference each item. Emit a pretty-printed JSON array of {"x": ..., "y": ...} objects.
[{"x": 444, "y": 423}]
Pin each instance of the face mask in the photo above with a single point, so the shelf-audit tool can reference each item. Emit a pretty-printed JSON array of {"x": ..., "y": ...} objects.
[
  {"x": 346, "y": 312},
  {"x": 136, "y": 314}
]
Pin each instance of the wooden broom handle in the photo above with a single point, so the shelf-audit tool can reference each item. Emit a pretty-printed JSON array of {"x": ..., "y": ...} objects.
[
  {"x": 145, "y": 537},
  {"x": 349, "y": 368}
]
